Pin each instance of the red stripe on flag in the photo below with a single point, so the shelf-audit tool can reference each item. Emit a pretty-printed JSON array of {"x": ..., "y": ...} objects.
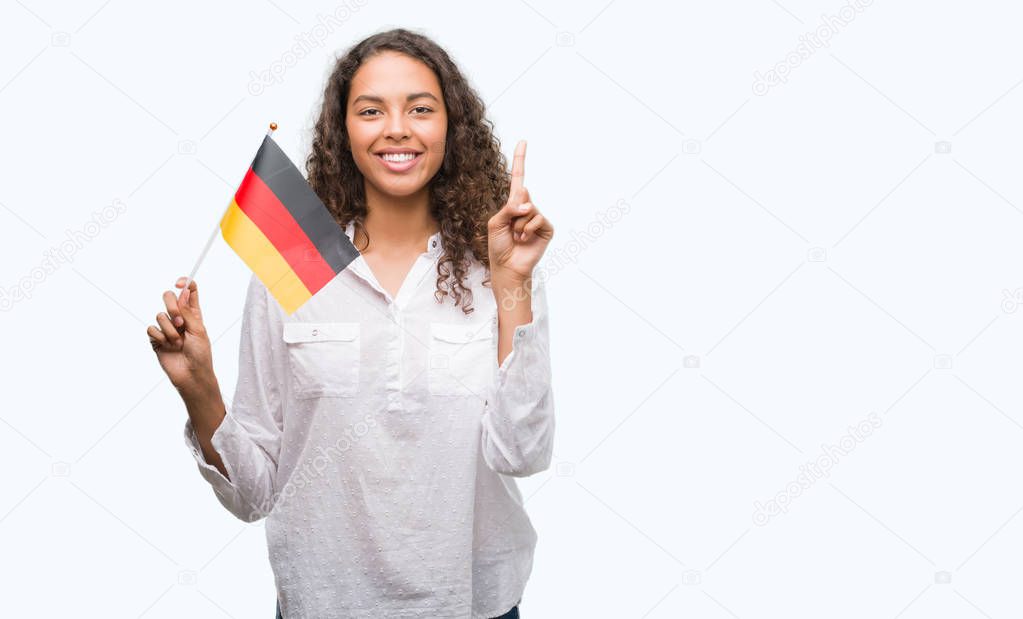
[{"x": 273, "y": 218}]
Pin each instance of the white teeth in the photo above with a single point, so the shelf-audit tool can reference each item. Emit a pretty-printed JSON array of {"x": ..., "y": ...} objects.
[{"x": 399, "y": 158}]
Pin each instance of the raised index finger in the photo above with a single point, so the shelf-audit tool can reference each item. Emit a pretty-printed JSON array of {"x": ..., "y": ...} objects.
[{"x": 518, "y": 170}]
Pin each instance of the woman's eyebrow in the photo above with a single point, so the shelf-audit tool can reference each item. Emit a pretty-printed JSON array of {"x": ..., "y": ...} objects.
[{"x": 376, "y": 99}]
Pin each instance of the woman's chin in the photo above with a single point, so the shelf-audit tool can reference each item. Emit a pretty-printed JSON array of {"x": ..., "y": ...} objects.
[{"x": 398, "y": 188}]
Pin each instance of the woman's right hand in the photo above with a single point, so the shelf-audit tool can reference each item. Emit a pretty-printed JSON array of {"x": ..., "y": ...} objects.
[{"x": 181, "y": 343}]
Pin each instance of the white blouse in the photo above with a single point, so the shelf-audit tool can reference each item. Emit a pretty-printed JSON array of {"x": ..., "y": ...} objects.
[{"x": 381, "y": 440}]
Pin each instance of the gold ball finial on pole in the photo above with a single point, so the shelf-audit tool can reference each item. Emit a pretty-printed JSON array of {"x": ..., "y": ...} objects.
[{"x": 273, "y": 126}]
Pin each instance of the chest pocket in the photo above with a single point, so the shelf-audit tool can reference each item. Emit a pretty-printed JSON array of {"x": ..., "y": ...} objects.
[
  {"x": 462, "y": 359},
  {"x": 324, "y": 358}
]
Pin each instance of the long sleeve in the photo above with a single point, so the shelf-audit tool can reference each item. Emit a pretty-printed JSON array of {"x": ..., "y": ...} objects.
[
  {"x": 518, "y": 415},
  {"x": 248, "y": 439}
]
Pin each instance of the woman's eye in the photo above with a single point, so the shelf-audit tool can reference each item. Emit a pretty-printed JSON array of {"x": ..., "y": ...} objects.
[{"x": 367, "y": 112}]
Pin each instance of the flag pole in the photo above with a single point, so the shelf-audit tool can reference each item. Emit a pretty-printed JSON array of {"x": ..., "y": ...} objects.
[{"x": 213, "y": 235}]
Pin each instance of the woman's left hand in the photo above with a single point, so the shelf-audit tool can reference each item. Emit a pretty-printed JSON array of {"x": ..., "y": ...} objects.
[{"x": 518, "y": 234}]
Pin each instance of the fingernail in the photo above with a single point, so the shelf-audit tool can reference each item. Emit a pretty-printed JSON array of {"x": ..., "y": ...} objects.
[
  {"x": 179, "y": 321},
  {"x": 524, "y": 207}
]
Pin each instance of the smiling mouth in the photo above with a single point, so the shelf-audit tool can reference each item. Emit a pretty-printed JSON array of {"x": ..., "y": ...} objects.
[
  {"x": 399, "y": 157},
  {"x": 399, "y": 162}
]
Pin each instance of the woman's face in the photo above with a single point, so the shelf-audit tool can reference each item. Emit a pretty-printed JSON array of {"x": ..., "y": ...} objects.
[{"x": 397, "y": 123}]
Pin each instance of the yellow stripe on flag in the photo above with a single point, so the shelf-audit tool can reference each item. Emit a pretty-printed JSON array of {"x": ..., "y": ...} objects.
[{"x": 249, "y": 242}]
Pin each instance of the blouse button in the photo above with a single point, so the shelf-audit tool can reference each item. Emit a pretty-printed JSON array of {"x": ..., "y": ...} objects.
[{"x": 316, "y": 332}]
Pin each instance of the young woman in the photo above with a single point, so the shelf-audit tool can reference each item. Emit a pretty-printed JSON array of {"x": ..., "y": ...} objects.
[{"x": 380, "y": 427}]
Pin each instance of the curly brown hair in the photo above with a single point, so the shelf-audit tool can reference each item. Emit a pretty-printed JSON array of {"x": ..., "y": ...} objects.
[{"x": 471, "y": 185}]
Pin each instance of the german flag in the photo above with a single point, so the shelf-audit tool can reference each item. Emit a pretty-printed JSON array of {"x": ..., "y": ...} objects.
[{"x": 283, "y": 232}]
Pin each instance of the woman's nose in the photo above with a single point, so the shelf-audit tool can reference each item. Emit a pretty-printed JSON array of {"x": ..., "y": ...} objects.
[{"x": 397, "y": 126}]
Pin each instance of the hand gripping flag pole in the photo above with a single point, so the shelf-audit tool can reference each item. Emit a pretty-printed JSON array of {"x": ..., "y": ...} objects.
[{"x": 279, "y": 227}]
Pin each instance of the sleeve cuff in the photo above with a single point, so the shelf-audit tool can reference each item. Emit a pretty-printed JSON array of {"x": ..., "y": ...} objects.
[
  {"x": 525, "y": 334},
  {"x": 526, "y": 369},
  {"x": 524, "y": 337},
  {"x": 207, "y": 470}
]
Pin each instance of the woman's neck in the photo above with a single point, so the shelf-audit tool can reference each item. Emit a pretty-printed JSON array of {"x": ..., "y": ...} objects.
[{"x": 399, "y": 223}]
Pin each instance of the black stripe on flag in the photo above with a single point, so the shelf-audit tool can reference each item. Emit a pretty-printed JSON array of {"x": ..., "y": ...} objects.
[{"x": 283, "y": 178}]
